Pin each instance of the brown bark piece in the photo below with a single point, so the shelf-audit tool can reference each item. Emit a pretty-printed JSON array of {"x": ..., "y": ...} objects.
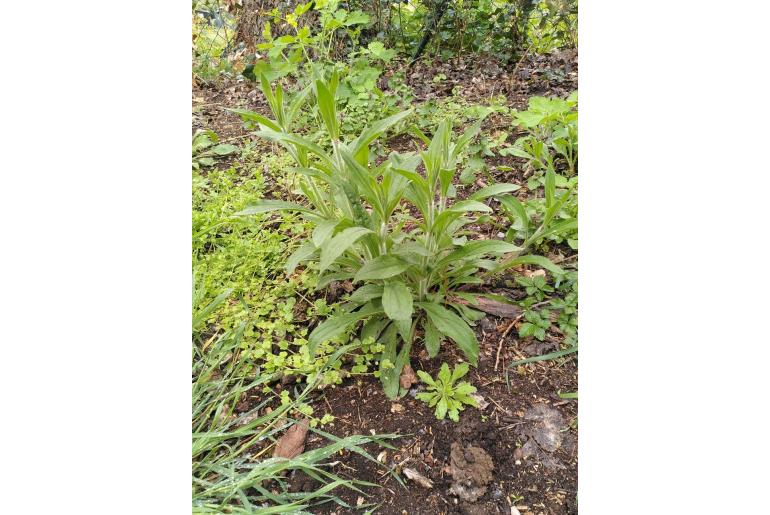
[{"x": 292, "y": 443}]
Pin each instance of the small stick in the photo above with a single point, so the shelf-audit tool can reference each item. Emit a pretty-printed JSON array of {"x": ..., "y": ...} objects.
[{"x": 502, "y": 339}]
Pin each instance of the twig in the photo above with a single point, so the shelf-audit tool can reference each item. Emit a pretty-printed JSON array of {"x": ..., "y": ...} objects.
[
  {"x": 521, "y": 60},
  {"x": 502, "y": 338}
]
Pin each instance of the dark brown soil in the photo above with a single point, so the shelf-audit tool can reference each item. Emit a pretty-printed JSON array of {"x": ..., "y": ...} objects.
[{"x": 545, "y": 482}]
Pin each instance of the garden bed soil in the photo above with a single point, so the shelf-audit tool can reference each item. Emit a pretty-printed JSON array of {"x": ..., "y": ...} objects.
[{"x": 527, "y": 429}]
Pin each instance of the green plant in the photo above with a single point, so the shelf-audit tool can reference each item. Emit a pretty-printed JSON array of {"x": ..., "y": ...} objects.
[
  {"x": 535, "y": 286},
  {"x": 568, "y": 312},
  {"x": 445, "y": 393},
  {"x": 227, "y": 474},
  {"x": 409, "y": 269},
  {"x": 206, "y": 147},
  {"x": 552, "y": 126},
  {"x": 553, "y": 217},
  {"x": 537, "y": 323},
  {"x": 245, "y": 256}
]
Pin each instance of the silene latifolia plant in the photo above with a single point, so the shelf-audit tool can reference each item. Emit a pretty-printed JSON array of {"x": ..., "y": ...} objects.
[{"x": 408, "y": 269}]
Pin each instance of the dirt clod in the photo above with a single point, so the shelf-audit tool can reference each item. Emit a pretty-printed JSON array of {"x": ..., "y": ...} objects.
[
  {"x": 471, "y": 468},
  {"x": 546, "y": 426}
]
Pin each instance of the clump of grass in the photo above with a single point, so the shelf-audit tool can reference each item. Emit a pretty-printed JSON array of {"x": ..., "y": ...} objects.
[{"x": 228, "y": 475}]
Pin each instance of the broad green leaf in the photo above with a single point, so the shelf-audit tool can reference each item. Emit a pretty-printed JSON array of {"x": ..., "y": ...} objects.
[
  {"x": 324, "y": 231},
  {"x": 381, "y": 267},
  {"x": 305, "y": 250},
  {"x": 397, "y": 301},
  {"x": 454, "y": 327},
  {"x": 224, "y": 149},
  {"x": 432, "y": 338},
  {"x": 366, "y": 293},
  {"x": 478, "y": 248},
  {"x": 335, "y": 247},
  {"x": 493, "y": 191},
  {"x": 550, "y": 188},
  {"x": 264, "y": 206},
  {"x": 335, "y": 326},
  {"x": 530, "y": 260}
]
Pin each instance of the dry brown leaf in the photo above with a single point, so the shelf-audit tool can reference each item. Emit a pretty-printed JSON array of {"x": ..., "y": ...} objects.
[
  {"x": 493, "y": 307},
  {"x": 408, "y": 377},
  {"x": 292, "y": 443},
  {"x": 418, "y": 478}
]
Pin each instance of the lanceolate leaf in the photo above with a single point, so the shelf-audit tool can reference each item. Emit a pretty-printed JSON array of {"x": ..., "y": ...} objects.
[
  {"x": 397, "y": 301},
  {"x": 335, "y": 326},
  {"x": 375, "y": 130},
  {"x": 255, "y": 117},
  {"x": 493, "y": 191},
  {"x": 454, "y": 327},
  {"x": 339, "y": 244},
  {"x": 323, "y": 231},
  {"x": 515, "y": 210},
  {"x": 366, "y": 293},
  {"x": 263, "y": 206},
  {"x": 530, "y": 260},
  {"x": 305, "y": 250},
  {"x": 475, "y": 249},
  {"x": 381, "y": 267},
  {"x": 432, "y": 338}
]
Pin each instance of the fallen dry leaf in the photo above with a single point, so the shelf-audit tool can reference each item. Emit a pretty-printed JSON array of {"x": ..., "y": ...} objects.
[
  {"x": 396, "y": 408},
  {"x": 493, "y": 307},
  {"x": 292, "y": 443},
  {"x": 479, "y": 400},
  {"x": 408, "y": 377},
  {"x": 418, "y": 478}
]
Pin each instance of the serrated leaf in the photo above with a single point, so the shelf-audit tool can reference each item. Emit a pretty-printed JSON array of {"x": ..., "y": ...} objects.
[{"x": 425, "y": 378}]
